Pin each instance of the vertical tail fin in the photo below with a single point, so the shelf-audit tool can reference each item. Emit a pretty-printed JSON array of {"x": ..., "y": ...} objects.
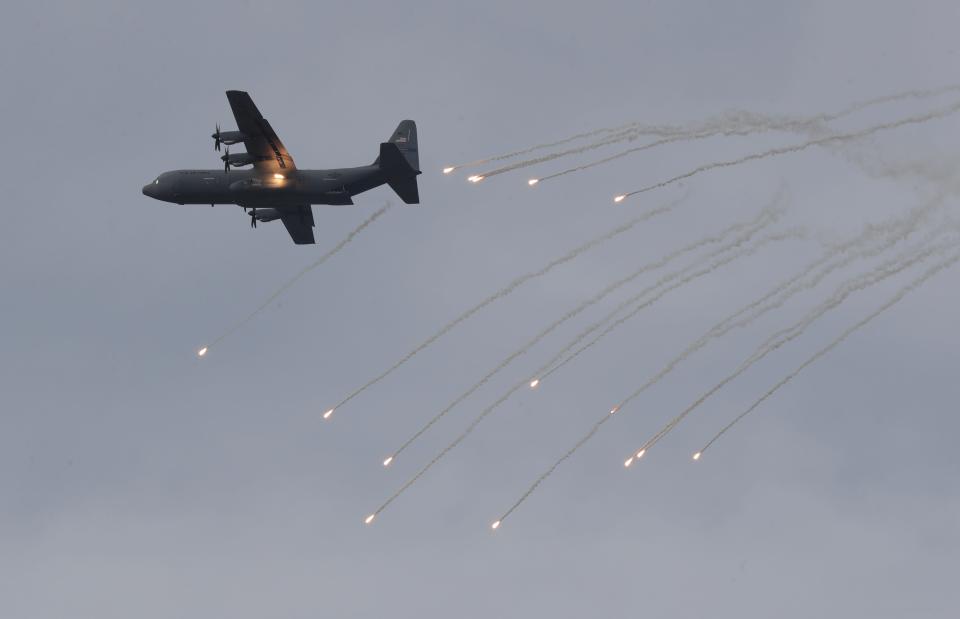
[{"x": 405, "y": 137}]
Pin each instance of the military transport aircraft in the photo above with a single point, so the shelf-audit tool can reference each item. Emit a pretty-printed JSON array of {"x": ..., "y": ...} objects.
[{"x": 275, "y": 188}]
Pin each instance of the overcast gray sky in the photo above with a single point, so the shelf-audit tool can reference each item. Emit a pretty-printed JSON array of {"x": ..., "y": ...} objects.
[{"x": 137, "y": 481}]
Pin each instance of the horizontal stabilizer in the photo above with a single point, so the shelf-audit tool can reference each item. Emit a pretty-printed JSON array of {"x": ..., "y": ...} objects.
[{"x": 407, "y": 189}]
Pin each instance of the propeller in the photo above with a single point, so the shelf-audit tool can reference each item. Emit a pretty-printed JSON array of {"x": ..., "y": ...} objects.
[
  {"x": 253, "y": 218},
  {"x": 216, "y": 138},
  {"x": 226, "y": 160}
]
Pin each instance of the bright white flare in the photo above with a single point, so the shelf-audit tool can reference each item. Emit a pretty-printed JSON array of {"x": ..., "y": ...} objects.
[
  {"x": 449, "y": 169},
  {"x": 388, "y": 461},
  {"x": 697, "y": 455},
  {"x": 640, "y": 453},
  {"x": 534, "y": 383},
  {"x": 613, "y": 411},
  {"x": 279, "y": 177},
  {"x": 628, "y": 462},
  {"x": 327, "y": 414},
  {"x": 533, "y": 181},
  {"x": 620, "y": 198},
  {"x": 369, "y": 519},
  {"x": 475, "y": 179},
  {"x": 202, "y": 352},
  {"x": 495, "y": 525}
]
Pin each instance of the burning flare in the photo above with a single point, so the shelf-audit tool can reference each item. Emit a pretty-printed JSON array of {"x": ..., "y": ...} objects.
[
  {"x": 369, "y": 519},
  {"x": 620, "y": 198},
  {"x": 534, "y": 383},
  {"x": 388, "y": 461},
  {"x": 449, "y": 169},
  {"x": 628, "y": 462},
  {"x": 495, "y": 525},
  {"x": 328, "y": 414},
  {"x": 475, "y": 178},
  {"x": 697, "y": 455},
  {"x": 202, "y": 352},
  {"x": 533, "y": 181}
]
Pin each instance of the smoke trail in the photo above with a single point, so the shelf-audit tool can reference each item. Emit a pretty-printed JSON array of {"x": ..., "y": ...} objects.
[
  {"x": 766, "y": 217},
  {"x": 930, "y": 273},
  {"x": 887, "y": 270},
  {"x": 756, "y": 123},
  {"x": 831, "y": 139},
  {"x": 526, "y": 151},
  {"x": 483, "y": 415},
  {"x": 737, "y": 122},
  {"x": 890, "y": 233},
  {"x": 506, "y": 290},
  {"x": 293, "y": 280}
]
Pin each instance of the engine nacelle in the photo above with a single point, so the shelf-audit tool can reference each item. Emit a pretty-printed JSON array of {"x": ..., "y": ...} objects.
[
  {"x": 265, "y": 214},
  {"x": 230, "y": 137},
  {"x": 238, "y": 159}
]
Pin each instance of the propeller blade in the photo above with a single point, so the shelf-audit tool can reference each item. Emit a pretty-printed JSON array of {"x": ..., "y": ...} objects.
[
  {"x": 226, "y": 160},
  {"x": 216, "y": 139},
  {"x": 253, "y": 218}
]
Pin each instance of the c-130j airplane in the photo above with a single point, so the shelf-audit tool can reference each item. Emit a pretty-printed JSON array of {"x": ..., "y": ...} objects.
[{"x": 275, "y": 188}]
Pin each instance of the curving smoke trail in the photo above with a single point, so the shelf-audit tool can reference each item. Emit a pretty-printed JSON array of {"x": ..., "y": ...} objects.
[
  {"x": 523, "y": 383},
  {"x": 766, "y": 217},
  {"x": 745, "y": 123},
  {"x": 888, "y": 234},
  {"x": 508, "y": 289},
  {"x": 888, "y": 269},
  {"x": 916, "y": 283},
  {"x": 293, "y": 280},
  {"x": 733, "y": 123},
  {"x": 829, "y": 140}
]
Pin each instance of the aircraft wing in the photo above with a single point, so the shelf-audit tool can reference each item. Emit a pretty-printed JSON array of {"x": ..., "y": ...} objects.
[
  {"x": 299, "y": 223},
  {"x": 259, "y": 138}
]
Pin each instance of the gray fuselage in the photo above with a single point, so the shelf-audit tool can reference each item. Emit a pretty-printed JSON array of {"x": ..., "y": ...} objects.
[{"x": 250, "y": 189}]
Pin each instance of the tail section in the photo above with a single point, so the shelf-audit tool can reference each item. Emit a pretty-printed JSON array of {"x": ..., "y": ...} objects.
[{"x": 401, "y": 162}]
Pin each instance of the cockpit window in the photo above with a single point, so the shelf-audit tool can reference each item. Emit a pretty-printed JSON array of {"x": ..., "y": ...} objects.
[{"x": 156, "y": 181}]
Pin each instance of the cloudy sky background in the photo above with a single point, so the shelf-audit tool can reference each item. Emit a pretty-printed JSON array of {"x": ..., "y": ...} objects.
[{"x": 137, "y": 481}]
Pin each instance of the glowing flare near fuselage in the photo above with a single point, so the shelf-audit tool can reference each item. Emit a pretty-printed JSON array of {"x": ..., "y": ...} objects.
[
  {"x": 328, "y": 414},
  {"x": 369, "y": 519},
  {"x": 388, "y": 461},
  {"x": 202, "y": 352},
  {"x": 278, "y": 177}
]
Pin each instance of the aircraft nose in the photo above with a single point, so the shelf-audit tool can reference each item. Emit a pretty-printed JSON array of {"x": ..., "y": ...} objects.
[{"x": 148, "y": 190}]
